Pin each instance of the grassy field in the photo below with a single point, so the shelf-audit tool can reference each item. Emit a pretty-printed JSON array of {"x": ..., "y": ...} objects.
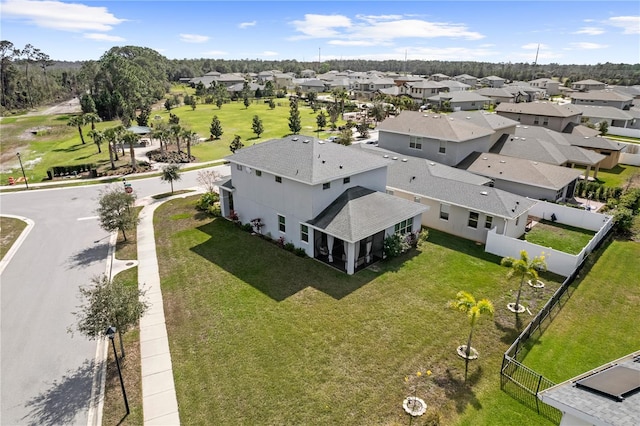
[
  {"x": 260, "y": 336},
  {"x": 599, "y": 323},
  {"x": 616, "y": 177},
  {"x": 57, "y": 144},
  {"x": 11, "y": 229},
  {"x": 560, "y": 237}
]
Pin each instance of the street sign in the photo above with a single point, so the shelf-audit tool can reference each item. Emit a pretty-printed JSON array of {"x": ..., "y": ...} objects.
[{"x": 128, "y": 189}]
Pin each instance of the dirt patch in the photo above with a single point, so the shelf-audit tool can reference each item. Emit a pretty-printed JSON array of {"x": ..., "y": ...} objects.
[{"x": 71, "y": 106}]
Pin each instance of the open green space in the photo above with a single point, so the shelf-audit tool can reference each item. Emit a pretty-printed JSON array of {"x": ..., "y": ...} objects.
[
  {"x": 600, "y": 321},
  {"x": 47, "y": 141},
  {"x": 558, "y": 236},
  {"x": 260, "y": 336},
  {"x": 10, "y": 230},
  {"x": 616, "y": 177}
]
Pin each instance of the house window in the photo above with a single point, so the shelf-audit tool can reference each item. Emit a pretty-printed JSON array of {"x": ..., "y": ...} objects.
[
  {"x": 258, "y": 173},
  {"x": 545, "y": 121},
  {"x": 238, "y": 167},
  {"x": 415, "y": 143},
  {"x": 282, "y": 224},
  {"x": 473, "y": 220},
  {"x": 559, "y": 194},
  {"x": 443, "y": 147},
  {"x": 304, "y": 233},
  {"x": 536, "y": 120},
  {"x": 346, "y": 180},
  {"x": 488, "y": 222},
  {"x": 605, "y": 153},
  {"x": 326, "y": 185},
  {"x": 404, "y": 227},
  {"x": 278, "y": 179},
  {"x": 444, "y": 211}
]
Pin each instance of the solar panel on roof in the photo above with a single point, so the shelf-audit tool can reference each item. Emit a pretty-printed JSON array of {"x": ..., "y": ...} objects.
[{"x": 615, "y": 382}]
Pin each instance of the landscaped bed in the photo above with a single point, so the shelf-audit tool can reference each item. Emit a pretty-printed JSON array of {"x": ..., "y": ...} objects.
[
  {"x": 565, "y": 238},
  {"x": 261, "y": 336}
]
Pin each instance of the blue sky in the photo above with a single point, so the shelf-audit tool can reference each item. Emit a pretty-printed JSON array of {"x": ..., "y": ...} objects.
[{"x": 567, "y": 32}]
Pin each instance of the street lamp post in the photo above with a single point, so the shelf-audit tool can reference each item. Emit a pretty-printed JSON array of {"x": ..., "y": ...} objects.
[
  {"x": 111, "y": 332},
  {"x": 22, "y": 168}
]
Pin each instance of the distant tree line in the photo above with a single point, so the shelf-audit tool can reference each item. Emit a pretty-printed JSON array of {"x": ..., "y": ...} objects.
[{"x": 128, "y": 79}]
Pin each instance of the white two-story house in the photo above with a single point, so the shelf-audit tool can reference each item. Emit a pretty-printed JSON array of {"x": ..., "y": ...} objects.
[{"x": 320, "y": 196}]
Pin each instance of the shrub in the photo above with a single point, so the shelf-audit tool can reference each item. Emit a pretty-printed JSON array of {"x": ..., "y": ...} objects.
[
  {"x": 247, "y": 227},
  {"x": 280, "y": 242},
  {"x": 215, "y": 210},
  {"x": 395, "y": 245},
  {"x": 289, "y": 247},
  {"x": 298, "y": 251},
  {"x": 207, "y": 200}
]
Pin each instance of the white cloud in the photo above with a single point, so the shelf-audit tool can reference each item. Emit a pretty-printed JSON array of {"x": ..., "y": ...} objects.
[
  {"x": 193, "y": 38},
  {"x": 355, "y": 43},
  {"x": 590, "y": 31},
  {"x": 269, "y": 53},
  {"x": 244, "y": 25},
  {"x": 215, "y": 53},
  {"x": 320, "y": 26},
  {"x": 630, "y": 24},
  {"x": 426, "y": 53},
  {"x": 377, "y": 30},
  {"x": 587, "y": 46},
  {"x": 61, "y": 16},
  {"x": 102, "y": 37}
]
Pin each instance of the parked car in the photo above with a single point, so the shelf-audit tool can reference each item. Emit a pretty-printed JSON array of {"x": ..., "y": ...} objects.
[{"x": 332, "y": 138}]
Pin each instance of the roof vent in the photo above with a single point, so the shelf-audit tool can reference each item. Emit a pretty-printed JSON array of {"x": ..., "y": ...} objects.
[
  {"x": 294, "y": 139},
  {"x": 484, "y": 158},
  {"x": 502, "y": 161},
  {"x": 535, "y": 162},
  {"x": 404, "y": 160},
  {"x": 525, "y": 127},
  {"x": 484, "y": 193},
  {"x": 468, "y": 118},
  {"x": 321, "y": 142},
  {"x": 394, "y": 158},
  {"x": 524, "y": 139},
  {"x": 306, "y": 141},
  {"x": 340, "y": 166},
  {"x": 432, "y": 164},
  {"x": 323, "y": 161},
  {"x": 385, "y": 156}
]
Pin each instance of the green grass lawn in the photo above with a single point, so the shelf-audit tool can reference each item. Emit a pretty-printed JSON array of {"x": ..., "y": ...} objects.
[
  {"x": 558, "y": 236},
  {"x": 599, "y": 323},
  {"x": 260, "y": 336},
  {"x": 11, "y": 230},
  {"x": 616, "y": 177},
  {"x": 60, "y": 145}
]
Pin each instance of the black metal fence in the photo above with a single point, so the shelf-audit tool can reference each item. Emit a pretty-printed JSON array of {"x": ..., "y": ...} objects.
[{"x": 521, "y": 382}]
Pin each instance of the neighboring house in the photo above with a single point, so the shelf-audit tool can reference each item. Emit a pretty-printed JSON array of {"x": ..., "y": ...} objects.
[
  {"x": 213, "y": 74},
  {"x": 439, "y": 77},
  {"x": 313, "y": 85},
  {"x": 492, "y": 81},
  {"x": 528, "y": 178},
  {"x": 611, "y": 150},
  {"x": 498, "y": 95},
  {"x": 204, "y": 80},
  {"x": 546, "y": 114},
  {"x": 421, "y": 90},
  {"x": 264, "y": 76},
  {"x": 455, "y": 86},
  {"x": 614, "y": 117},
  {"x": 499, "y": 124},
  {"x": 283, "y": 81},
  {"x": 308, "y": 73},
  {"x": 459, "y": 202},
  {"x": 400, "y": 80},
  {"x": 551, "y": 87},
  {"x": 460, "y": 101},
  {"x": 437, "y": 137},
  {"x": 633, "y": 91},
  {"x": 523, "y": 92},
  {"x": 325, "y": 198},
  {"x": 229, "y": 80},
  {"x": 602, "y": 98},
  {"x": 587, "y": 85},
  {"x": 466, "y": 79},
  {"x": 372, "y": 84},
  {"x": 607, "y": 395},
  {"x": 237, "y": 89}
]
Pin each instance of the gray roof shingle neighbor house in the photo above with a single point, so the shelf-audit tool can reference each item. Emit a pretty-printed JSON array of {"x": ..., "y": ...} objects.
[
  {"x": 589, "y": 84},
  {"x": 499, "y": 124},
  {"x": 607, "y": 395},
  {"x": 455, "y": 86},
  {"x": 548, "y": 114},
  {"x": 459, "y": 193},
  {"x": 498, "y": 94},
  {"x": 533, "y": 179},
  {"x": 461, "y": 100},
  {"x": 492, "y": 81},
  {"x": 602, "y": 98},
  {"x": 440, "y": 138},
  {"x": 322, "y": 197},
  {"x": 615, "y": 117}
]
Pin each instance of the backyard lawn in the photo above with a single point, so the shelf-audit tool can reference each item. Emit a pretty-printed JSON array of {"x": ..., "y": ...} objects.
[
  {"x": 616, "y": 177},
  {"x": 260, "y": 336},
  {"x": 558, "y": 236}
]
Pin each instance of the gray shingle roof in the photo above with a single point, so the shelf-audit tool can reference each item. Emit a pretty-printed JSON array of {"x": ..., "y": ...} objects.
[
  {"x": 360, "y": 212},
  {"x": 539, "y": 108},
  {"x": 532, "y": 149},
  {"x": 494, "y": 91},
  {"x": 460, "y": 96},
  {"x": 310, "y": 162},
  {"x": 609, "y": 112},
  {"x": 433, "y": 126},
  {"x": 486, "y": 119},
  {"x": 439, "y": 182},
  {"x": 594, "y": 408},
  {"x": 519, "y": 170},
  {"x": 601, "y": 95}
]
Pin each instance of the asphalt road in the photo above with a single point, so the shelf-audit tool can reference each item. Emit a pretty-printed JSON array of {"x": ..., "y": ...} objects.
[{"x": 46, "y": 374}]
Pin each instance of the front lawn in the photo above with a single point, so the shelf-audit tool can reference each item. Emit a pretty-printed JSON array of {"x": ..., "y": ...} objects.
[
  {"x": 558, "y": 236},
  {"x": 260, "y": 336}
]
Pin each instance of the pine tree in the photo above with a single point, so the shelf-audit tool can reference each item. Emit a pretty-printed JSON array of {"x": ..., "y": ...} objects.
[
  {"x": 295, "y": 124},
  {"x": 257, "y": 126},
  {"x": 216, "y": 128}
]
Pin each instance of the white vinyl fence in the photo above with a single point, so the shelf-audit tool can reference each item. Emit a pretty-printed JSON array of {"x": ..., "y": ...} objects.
[
  {"x": 631, "y": 155},
  {"x": 557, "y": 262}
]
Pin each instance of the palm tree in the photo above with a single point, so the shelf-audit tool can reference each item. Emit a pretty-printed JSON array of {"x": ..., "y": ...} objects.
[
  {"x": 131, "y": 138},
  {"x": 111, "y": 136},
  {"x": 176, "y": 132},
  {"x": 93, "y": 118},
  {"x": 465, "y": 302},
  {"x": 77, "y": 121},
  {"x": 170, "y": 173},
  {"x": 523, "y": 268},
  {"x": 98, "y": 138}
]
